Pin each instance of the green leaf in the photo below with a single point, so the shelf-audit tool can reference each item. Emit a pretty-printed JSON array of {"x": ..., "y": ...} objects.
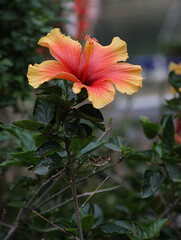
[
  {"x": 100, "y": 125},
  {"x": 98, "y": 215},
  {"x": 63, "y": 85},
  {"x": 24, "y": 137},
  {"x": 52, "y": 90},
  {"x": 168, "y": 133},
  {"x": 151, "y": 182},
  {"x": 48, "y": 163},
  {"x": 28, "y": 124},
  {"x": 71, "y": 230},
  {"x": 150, "y": 230},
  {"x": 40, "y": 139},
  {"x": 14, "y": 162},
  {"x": 86, "y": 210},
  {"x": 150, "y": 129},
  {"x": 112, "y": 147},
  {"x": 27, "y": 157},
  {"x": 175, "y": 81},
  {"x": 16, "y": 204},
  {"x": 90, "y": 113},
  {"x": 46, "y": 130},
  {"x": 177, "y": 149},
  {"x": 174, "y": 103},
  {"x": 87, "y": 223},
  {"x": 48, "y": 147},
  {"x": 81, "y": 132},
  {"x": 82, "y": 95},
  {"x": 6, "y": 62},
  {"x": 87, "y": 217},
  {"x": 70, "y": 129},
  {"x": 59, "y": 117},
  {"x": 78, "y": 144},
  {"x": 118, "y": 141},
  {"x": 146, "y": 155},
  {"x": 133, "y": 230},
  {"x": 84, "y": 130},
  {"x": 56, "y": 100},
  {"x": 120, "y": 227},
  {"x": 25, "y": 182},
  {"x": 42, "y": 170},
  {"x": 158, "y": 149},
  {"x": 115, "y": 143},
  {"x": 43, "y": 111},
  {"x": 89, "y": 148}
]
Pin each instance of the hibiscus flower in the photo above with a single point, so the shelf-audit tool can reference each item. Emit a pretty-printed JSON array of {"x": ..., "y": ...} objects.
[
  {"x": 175, "y": 67},
  {"x": 95, "y": 68}
]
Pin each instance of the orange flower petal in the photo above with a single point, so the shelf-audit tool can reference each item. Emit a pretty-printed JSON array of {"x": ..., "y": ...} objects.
[
  {"x": 62, "y": 48},
  {"x": 126, "y": 77},
  {"x": 46, "y": 71},
  {"x": 100, "y": 93},
  {"x": 104, "y": 56}
]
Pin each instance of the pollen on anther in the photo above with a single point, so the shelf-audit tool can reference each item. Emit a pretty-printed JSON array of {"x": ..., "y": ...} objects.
[
  {"x": 95, "y": 39},
  {"x": 87, "y": 37}
]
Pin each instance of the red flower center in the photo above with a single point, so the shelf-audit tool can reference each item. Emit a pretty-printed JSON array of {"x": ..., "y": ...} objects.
[{"x": 89, "y": 46}]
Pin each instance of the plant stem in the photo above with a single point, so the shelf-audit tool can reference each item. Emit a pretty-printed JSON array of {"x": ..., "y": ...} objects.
[
  {"x": 24, "y": 213},
  {"x": 79, "y": 196},
  {"x": 11, "y": 232},
  {"x": 61, "y": 173},
  {"x": 171, "y": 181},
  {"x": 73, "y": 186},
  {"x": 61, "y": 229},
  {"x": 78, "y": 181}
]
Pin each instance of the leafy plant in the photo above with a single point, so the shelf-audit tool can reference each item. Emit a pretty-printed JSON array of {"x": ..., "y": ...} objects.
[
  {"x": 59, "y": 148},
  {"x": 22, "y": 23}
]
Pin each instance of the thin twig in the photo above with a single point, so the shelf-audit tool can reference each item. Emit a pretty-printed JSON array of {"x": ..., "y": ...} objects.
[
  {"x": 19, "y": 214},
  {"x": 96, "y": 172},
  {"x": 95, "y": 191},
  {"x": 50, "y": 187},
  {"x": 5, "y": 225},
  {"x": 168, "y": 212},
  {"x": 80, "y": 196},
  {"x": 12, "y": 230},
  {"x": 2, "y": 216},
  {"x": 43, "y": 185},
  {"x": 10, "y": 226},
  {"x": 53, "y": 196},
  {"x": 73, "y": 186},
  {"x": 78, "y": 181},
  {"x": 24, "y": 212},
  {"x": 116, "y": 178},
  {"x": 104, "y": 133},
  {"x": 170, "y": 208},
  {"x": 170, "y": 179},
  {"x": 61, "y": 229}
]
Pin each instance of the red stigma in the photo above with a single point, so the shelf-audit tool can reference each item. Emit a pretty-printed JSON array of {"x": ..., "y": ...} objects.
[
  {"x": 87, "y": 37},
  {"x": 95, "y": 39}
]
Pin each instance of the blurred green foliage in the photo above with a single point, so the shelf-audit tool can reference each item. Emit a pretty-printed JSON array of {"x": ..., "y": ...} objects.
[{"x": 22, "y": 23}]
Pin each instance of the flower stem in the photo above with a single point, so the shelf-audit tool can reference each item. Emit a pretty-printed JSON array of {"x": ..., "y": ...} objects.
[{"x": 73, "y": 186}]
